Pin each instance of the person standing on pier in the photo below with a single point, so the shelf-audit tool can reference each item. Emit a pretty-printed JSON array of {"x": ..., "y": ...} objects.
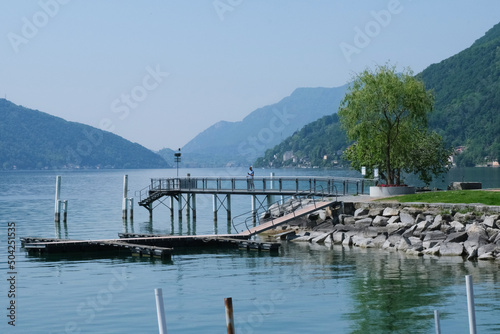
[{"x": 250, "y": 179}]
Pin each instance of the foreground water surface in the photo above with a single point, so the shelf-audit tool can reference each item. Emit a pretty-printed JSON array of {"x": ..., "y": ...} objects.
[{"x": 303, "y": 289}]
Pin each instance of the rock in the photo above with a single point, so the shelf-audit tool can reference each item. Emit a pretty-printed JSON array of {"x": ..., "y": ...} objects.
[
  {"x": 406, "y": 219},
  {"x": 475, "y": 228},
  {"x": 389, "y": 212},
  {"x": 434, "y": 236},
  {"x": 395, "y": 228},
  {"x": 414, "y": 251},
  {"x": 361, "y": 212},
  {"x": 362, "y": 242},
  {"x": 349, "y": 220},
  {"x": 420, "y": 227},
  {"x": 432, "y": 251},
  {"x": 347, "y": 241},
  {"x": 321, "y": 238},
  {"x": 342, "y": 217},
  {"x": 420, "y": 218},
  {"x": 375, "y": 212},
  {"x": 457, "y": 226},
  {"x": 391, "y": 241},
  {"x": 394, "y": 219},
  {"x": 380, "y": 221},
  {"x": 403, "y": 244},
  {"x": 338, "y": 237},
  {"x": 409, "y": 232},
  {"x": 379, "y": 240},
  {"x": 361, "y": 223},
  {"x": 370, "y": 232},
  {"x": 451, "y": 249},
  {"x": 329, "y": 240},
  {"x": 457, "y": 237},
  {"x": 436, "y": 225},
  {"x": 490, "y": 221},
  {"x": 430, "y": 244},
  {"x": 489, "y": 248}
]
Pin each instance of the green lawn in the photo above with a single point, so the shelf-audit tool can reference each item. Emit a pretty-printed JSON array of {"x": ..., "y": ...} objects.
[{"x": 456, "y": 196}]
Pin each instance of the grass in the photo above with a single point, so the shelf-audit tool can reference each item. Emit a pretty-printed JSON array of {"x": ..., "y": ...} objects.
[{"x": 455, "y": 196}]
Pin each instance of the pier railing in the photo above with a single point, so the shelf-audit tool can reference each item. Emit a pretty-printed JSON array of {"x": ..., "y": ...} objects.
[{"x": 258, "y": 185}]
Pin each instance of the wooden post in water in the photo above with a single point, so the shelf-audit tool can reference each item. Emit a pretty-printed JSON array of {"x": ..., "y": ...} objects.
[
  {"x": 57, "y": 208},
  {"x": 160, "y": 311},
  {"x": 172, "y": 207},
  {"x": 124, "y": 201},
  {"x": 254, "y": 212},
  {"x": 179, "y": 204},
  {"x": 188, "y": 205},
  {"x": 228, "y": 303},
  {"x": 470, "y": 304}
]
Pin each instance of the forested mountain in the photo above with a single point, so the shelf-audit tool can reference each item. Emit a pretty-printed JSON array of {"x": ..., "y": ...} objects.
[
  {"x": 31, "y": 139},
  {"x": 319, "y": 143},
  {"x": 240, "y": 143},
  {"x": 467, "y": 106},
  {"x": 466, "y": 112}
]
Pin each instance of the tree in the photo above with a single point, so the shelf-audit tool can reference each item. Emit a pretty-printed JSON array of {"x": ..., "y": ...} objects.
[{"x": 385, "y": 114}]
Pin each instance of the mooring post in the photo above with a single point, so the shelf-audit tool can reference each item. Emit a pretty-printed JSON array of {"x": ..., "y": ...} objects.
[
  {"x": 436, "y": 321},
  {"x": 193, "y": 206},
  {"x": 57, "y": 208},
  {"x": 131, "y": 207},
  {"x": 215, "y": 207},
  {"x": 470, "y": 304},
  {"x": 125, "y": 191},
  {"x": 228, "y": 303},
  {"x": 228, "y": 208},
  {"x": 160, "y": 311}
]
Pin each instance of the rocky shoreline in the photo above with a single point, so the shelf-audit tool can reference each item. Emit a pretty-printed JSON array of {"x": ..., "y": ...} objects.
[{"x": 470, "y": 231}]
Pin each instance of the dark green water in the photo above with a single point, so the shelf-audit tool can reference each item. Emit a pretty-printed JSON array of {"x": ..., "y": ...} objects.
[{"x": 303, "y": 289}]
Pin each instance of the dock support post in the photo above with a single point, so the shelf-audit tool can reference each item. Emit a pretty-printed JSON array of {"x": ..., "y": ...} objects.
[
  {"x": 160, "y": 311},
  {"x": 188, "y": 204},
  {"x": 57, "y": 208},
  {"x": 228, "y": 209},
  {"x": 124, "y": 202},
  {"x": 193, "y": 206},
  {"x": 65, "y": 210},
  {"x": 179, "y": 203},
  {"x": 269, "y": 200},
  {"x": 215, "y": 207},
  {"x": 470, "y": 304},
  {"x": 131, "y": 207},
  {"x": 172, "y": 207},
  {"x": 254, "y": 212},
  {"x": 150, "y": 209},
  {"x": 228, "y": 303}
]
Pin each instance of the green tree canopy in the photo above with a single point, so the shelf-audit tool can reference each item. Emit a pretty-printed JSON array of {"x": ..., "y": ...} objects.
[{"x": 385, "y": 114}]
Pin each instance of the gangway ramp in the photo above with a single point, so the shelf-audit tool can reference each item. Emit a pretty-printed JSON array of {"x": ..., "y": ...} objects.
[{"x": 286, "y": 218}]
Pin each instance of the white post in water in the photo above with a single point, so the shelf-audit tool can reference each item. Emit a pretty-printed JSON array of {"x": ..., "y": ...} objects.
[
  {"x": 470, "y": 304},
  {"x": 254, "y": 212},
  {"x": 65, "y": 210},
  {"x": 125, "y": 191},
  {"x": 57, "y": 208},
  {"x": 162, "y": 325},
  {"x": 436, "y": 322}
]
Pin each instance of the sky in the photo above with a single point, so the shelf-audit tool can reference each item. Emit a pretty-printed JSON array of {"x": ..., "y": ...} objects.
[{"x": 158, "y": 72}]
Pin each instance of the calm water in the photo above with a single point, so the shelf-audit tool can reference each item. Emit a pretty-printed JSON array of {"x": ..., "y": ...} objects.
[{"x": 303, "y": 289}]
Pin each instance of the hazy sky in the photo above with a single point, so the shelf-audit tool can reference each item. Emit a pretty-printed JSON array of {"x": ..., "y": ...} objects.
[{"x": 158, "y": 72}]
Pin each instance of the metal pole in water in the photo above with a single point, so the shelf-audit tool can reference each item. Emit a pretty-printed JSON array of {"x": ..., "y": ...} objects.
[
  {"x": 436, "y": 322},
  {"x": 193, "y": 206},
  {"x": 179, "y": 203},
  {"x": 254, "y": 213},
  {"x": 470, "y": 304},
  {"x": 125, "y": 191},
  {"x": 162, "y": 325},
  {"x": 228, "y": 201},
  {"x": 228, "y": 303},
  {"x": 57, "y": 211},
  {"x": 172, "y": 207},
  {"x": 215, "y": 207}
]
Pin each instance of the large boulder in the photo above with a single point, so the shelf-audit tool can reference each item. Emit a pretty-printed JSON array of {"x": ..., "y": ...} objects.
[
  {"x": 361, "y": 212},
  {"x": 406, "y": 218},
  {"x": 457, "y": 237},
  {"x": 380, "y": 221},
  {"x": 490, "y": 221},
  {"x": 389, "y": 212},
  {"x": 451, "y": 249}
]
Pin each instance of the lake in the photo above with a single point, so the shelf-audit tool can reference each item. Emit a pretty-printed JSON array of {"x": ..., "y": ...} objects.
[{"x": 305, "y": 288}]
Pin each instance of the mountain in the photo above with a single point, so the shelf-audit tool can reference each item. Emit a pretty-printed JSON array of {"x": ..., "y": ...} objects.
[
  {"x": 467, "y": 106},
  {"x": 466, "y": 113},
  {"x": 31, "y": 139},
  {"x": 240, "y": 143}
]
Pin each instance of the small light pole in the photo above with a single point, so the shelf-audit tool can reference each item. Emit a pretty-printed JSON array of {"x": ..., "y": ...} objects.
[{"x": 177, "y": 160}]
